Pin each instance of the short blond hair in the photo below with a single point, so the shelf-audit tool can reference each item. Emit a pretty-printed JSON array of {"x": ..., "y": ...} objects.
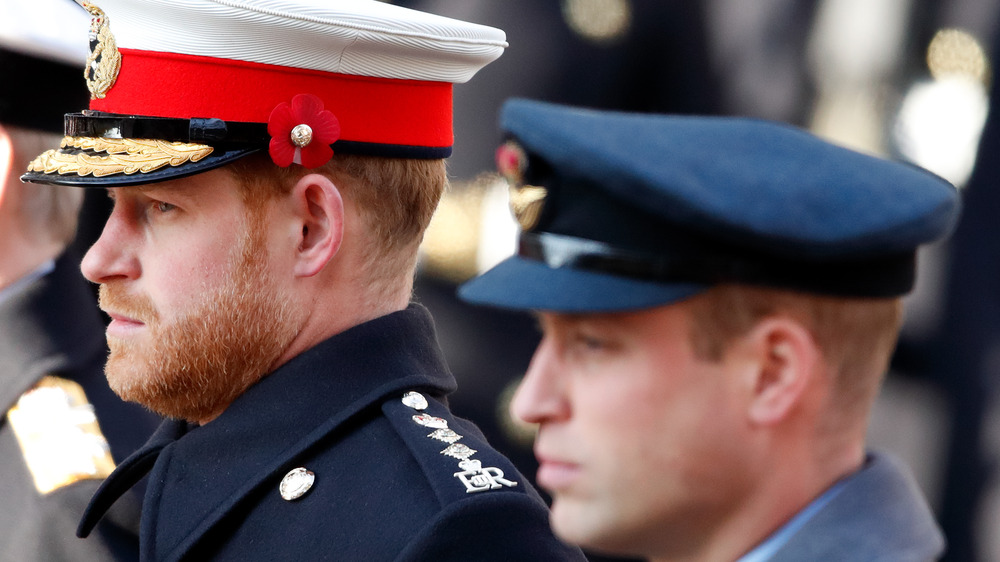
[
  {"x": 396, "y": 198},
  {"x": 855, "y": 336}
]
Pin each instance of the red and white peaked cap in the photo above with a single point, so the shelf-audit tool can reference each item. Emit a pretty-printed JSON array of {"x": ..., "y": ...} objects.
[{"x": 183, "y": 86}]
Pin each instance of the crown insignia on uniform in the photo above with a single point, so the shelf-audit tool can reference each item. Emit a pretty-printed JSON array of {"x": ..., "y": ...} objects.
[
  {"x": 104, "y": 61},
  {"x": 473, "y": 475}
]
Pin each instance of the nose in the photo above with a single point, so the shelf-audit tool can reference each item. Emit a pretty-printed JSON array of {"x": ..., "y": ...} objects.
[
  {"x": 541, "y": 396},
  {"x": 111, "y": 257}
]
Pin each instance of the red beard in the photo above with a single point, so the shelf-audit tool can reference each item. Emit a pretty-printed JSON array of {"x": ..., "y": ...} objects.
[{"x": 193, "y": 367}]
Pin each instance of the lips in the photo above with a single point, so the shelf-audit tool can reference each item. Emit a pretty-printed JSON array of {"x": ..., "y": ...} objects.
[
  {"x": 122, "y": 325},
  {"x": 123, "y": 318},
  {"x": 556, "y": 474},
  {"x": 129, "y": 313}
]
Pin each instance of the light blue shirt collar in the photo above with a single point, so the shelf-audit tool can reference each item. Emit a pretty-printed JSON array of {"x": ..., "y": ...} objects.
[{"x": 765, "y": 550}]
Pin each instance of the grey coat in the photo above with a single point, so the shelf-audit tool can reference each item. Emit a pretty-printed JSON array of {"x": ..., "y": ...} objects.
[{"x": 879, "y": 516}]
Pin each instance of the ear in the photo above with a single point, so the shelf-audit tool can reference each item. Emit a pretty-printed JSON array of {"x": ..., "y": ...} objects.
[
  {"x": 786, "y": 359},
  {"x": 319, "y": 209}
]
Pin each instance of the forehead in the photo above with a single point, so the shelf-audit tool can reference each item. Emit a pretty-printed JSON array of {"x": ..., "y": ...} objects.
[
  {"x": 217, "y": 185},
  {"x": 663, "y": 321}
]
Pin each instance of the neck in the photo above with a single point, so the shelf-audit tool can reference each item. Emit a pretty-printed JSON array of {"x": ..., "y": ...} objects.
[
  {"x": 787, "y": 482},
  {"x": 337, "y": 305}
]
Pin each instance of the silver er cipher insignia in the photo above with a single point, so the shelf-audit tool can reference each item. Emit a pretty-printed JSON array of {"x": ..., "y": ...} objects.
[
  {"x": 479, "y": 479},
  {"x": 473, "y": 475}
]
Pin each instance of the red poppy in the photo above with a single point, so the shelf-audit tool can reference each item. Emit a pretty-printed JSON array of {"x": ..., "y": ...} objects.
[
  {"x": 302, "y": 132},
  {"x": 511, "y": 162}
]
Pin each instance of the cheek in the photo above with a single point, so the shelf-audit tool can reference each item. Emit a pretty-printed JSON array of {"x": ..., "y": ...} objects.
[
  {"x": 697, "y": 435},
  {"x": 623, "y": 419},
  {"x": 177, "y": 278},
  {"x": 673, "y": 412}
]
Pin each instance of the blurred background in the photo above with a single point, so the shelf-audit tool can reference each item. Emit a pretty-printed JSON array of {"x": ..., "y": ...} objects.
[{"x": 905, "y": 79}]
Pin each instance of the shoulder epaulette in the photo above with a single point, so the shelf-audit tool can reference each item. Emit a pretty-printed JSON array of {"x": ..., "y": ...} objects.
[
  {"x": 455, "y": 464},
  {"x": 60, "y": 439}
]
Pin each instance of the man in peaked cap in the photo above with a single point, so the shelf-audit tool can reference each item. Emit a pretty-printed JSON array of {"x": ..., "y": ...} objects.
[
  {"x": 719, "y": 299},
  {"x": 61, "y": 427},
  {"x": 273, "y": 166}
]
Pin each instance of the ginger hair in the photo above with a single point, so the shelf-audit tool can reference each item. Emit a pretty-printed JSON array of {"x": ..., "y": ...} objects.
[
  {"x": 395, "y": 197},
  {"x": 855, "y": 336}
]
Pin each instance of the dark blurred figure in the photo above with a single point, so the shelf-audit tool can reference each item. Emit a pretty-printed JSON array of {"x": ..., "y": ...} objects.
[
  {"x": 966, "y": 363},
  {"x": 63, "y": 429},
  {"x": 957, "y": 355}
]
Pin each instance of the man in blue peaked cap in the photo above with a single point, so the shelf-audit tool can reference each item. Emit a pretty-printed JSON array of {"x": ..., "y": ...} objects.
[{"x": 719, "y": 299}]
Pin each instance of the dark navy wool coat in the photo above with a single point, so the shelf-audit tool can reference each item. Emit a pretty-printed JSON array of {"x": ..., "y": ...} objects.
[
  {"x": 383, "y": 489},
  {"x": 52, "y": 327}
]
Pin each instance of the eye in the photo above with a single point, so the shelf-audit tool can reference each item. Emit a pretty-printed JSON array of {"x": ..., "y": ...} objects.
[
  {"x": 163, "y": 206},
  {"x": 591, "y": 343}
]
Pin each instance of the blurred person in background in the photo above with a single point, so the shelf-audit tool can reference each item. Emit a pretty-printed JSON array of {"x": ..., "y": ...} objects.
[{"x": 63, "y": 429}]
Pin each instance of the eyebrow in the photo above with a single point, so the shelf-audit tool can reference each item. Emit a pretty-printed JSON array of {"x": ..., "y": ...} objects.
[
  {"x": 549, "y": 320},
  {"x": 184, "y": 191},
  {"x": 147, "y": 187}
]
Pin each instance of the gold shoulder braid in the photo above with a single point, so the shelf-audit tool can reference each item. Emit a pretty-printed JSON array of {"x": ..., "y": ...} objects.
[
  {"x": 104, "y": 60},
  {"x": 124, "y": 156},
  {"x": 59, "y": 436}
]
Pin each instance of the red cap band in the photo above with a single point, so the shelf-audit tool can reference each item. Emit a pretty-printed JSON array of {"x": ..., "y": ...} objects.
[{"x": 372, "y": 110}]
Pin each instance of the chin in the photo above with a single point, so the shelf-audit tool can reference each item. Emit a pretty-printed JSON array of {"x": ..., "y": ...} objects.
[
  {"x": 592, "y": 527},
  {"x": 575, "y": 522}
]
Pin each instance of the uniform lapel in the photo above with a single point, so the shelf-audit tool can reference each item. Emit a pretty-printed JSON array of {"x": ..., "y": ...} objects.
[{"x": 128, "y": 473}]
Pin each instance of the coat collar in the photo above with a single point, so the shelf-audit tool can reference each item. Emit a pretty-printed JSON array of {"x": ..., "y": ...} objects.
[
  {"x": 880, "y": 514},
  {"x": 209, "y": 470}
]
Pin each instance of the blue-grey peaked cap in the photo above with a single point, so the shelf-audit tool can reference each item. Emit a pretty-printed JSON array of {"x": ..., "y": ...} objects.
[{"x": 641, "y": 210}]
